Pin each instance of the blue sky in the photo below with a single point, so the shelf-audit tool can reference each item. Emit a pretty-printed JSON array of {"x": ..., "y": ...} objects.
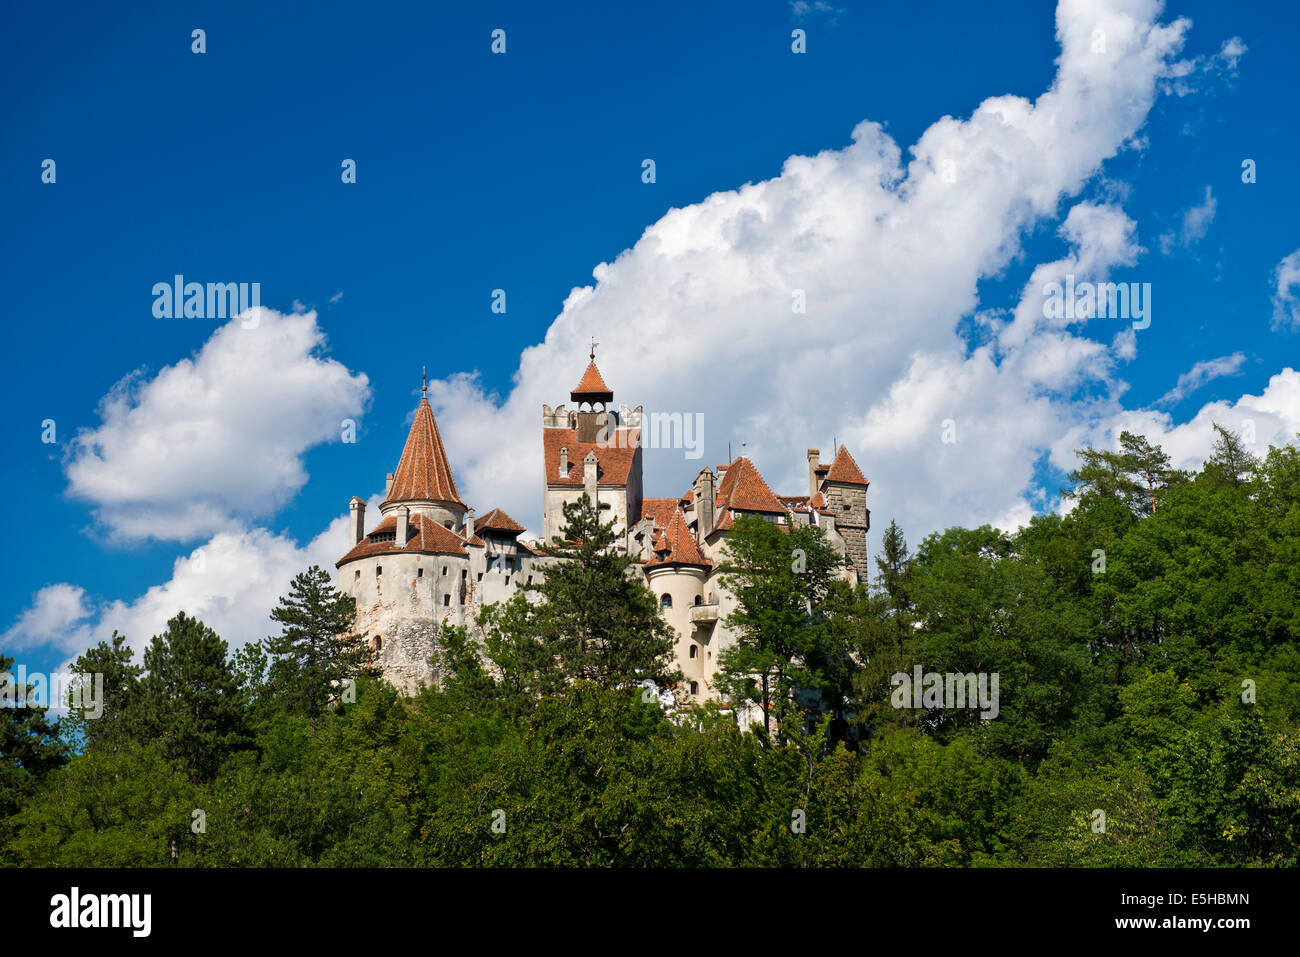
[{"x": 523, "y": 172}]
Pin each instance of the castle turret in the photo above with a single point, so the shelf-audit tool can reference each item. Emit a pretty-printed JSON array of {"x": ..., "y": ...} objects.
[
  {"x": 423, "y": 481},
  {"x": 593, "y": 451}
]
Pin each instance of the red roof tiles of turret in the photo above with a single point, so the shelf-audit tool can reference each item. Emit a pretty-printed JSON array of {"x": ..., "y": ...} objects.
[
  {"x": 743, "y": 489},
  {"x": 845, "y": 470},
  {"x": 676, "y": 546},
  {"x": 592, "y": 385},
  {"x": 423, "y": 473}
]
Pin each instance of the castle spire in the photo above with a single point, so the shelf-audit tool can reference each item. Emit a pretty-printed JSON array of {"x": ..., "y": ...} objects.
[{"x": 423, "y": 473}]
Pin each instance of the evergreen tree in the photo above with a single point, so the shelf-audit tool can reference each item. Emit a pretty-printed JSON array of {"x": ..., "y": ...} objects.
[
  {"x": 594, "y": 617},
  {"x": 30, "y": 746},
  {"x": 190, "y": 704},
  {"x": 1230, "y": 461},
  {"x": 120, "y": 722},
  {"x": 317, "y": 650}
]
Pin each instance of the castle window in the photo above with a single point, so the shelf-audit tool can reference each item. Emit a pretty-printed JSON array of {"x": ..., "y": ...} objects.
[
  {"x": 446, "y": 600},
  {"x": 357, "y": 576},
  {"x": 666, "y": 601},
  {"x": 480, "y": 577},
  {"x": 530, "y": 579},
  {"x": 419, "y": 573},
  {"x": 444, "y": 569},
  {"x": 379, "y": 570},
  {"x": 379, "y": 642},
  {"x": 699, "y": 599},
  {"x": 695, "y": 687},
  {"x": 695, "y": 649},
  {"x": 507, "y": 580}
]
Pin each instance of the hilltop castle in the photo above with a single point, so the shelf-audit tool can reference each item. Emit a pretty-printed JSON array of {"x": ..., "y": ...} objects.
[{"x": 431, "y": 560}]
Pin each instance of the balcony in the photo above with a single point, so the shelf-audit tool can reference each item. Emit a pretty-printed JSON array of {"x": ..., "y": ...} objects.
[{"x": 704, "y": 614}]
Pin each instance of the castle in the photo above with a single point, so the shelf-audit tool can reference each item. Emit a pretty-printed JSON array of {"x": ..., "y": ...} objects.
[{"x": 432, "y": 561}]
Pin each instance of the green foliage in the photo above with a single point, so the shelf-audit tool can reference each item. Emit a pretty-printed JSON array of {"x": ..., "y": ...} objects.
[
  {"x": 316, "y": 652},
  {"x": 1147, "y": 645},
  {"x": 189, "y": 701},
  {"x": 779, "y": 575}
]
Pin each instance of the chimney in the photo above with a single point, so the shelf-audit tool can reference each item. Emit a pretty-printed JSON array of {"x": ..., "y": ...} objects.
[
  {"x": 564, "y": 461},
  {"x": 469, "y": 523},
  {"x": 704, "y": 503},
  {"x": 813, "y": 456},
  {"x": 589, "y": 476},
  {"x": 388, "y": 485},
  {"x": 357, "y": 510},
  {"x": 403, "y": 525}
]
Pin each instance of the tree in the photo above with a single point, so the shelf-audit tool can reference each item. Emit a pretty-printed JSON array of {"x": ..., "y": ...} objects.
[
  {"x": 30, "y": 747},
  {"x": 113, "y": 662},
  {"x": 316, "y": 650},
  {"x": 1136, "y": 475},
  {"x": 594, "y": 618},
  {"x": 190, "y": 703},
  {"x": 1230, "y": 462},
  {"x": 779, "y": 575}
]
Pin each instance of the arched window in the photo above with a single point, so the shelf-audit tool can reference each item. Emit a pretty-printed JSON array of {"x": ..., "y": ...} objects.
[
  {"x": 699, "y": 599},
  {"x": 379, "y": 642},
  {"x": 666, "y": 601},
  {"x": 694, "y": 650}
]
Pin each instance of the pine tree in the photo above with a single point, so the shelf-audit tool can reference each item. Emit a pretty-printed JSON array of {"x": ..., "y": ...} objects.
[
  {"x": 30, "y": 746},
  {"x": 595, "y": 618},
  {"x": 1230, "y": 462},
  {"x": 190, "y": 704},
  {"x": 119, "y": 723},
  {"x": 317, "y": 650}
]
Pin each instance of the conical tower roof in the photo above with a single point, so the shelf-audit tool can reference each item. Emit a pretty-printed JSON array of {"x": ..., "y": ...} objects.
[
  {"x": 592, "y": 388},
  {"x": 423, "y": 474}
]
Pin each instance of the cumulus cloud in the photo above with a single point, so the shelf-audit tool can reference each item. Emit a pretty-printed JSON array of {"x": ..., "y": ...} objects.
[
  {"x": 1201, "y": 373},
  {"x": 1195, "y": 224},
  {"x": 192, "y": 450},
  {"x": 888, "y": 252},
  {"x": 1286, "y": 297},
  {"x": 57, "y": 617},
  {"x": 1270, "y": 418},
  {"x": 231, "y": 582}
]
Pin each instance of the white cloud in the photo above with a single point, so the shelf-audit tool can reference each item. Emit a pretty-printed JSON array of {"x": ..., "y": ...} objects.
[
  {"x": 57, "y": 617},
  {"x": 1273, "y": 417},
  {"x": 1286, "y": 298},
  {"x": 1201, "y": 373},
  {"x": 231, "y": 583},
  {"x": 195, "y": 449},
  {"x": 1195, "y": 224},
  {"x": 697, "y": 315}
]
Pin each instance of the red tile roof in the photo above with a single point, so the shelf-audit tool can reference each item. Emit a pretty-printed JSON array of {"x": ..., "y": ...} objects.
[
  {"x": 614, "y": 459},
  {"x": 497, "y": 521},
  {"x": 743, "y": 489},
  {"x": 676, "y": 546},
  {"x": 424, "y": 536},
  {"x": 423, "y": 473},
  {"x": 592, "y": 386},
  {"x": 845, "y": 470},
  {"x": 660, "y": 509}
]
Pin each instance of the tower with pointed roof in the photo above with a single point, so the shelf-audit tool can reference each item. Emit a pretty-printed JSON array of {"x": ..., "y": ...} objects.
[
  {"x": 429, "y": 562},
  {"x": 593, "y": 449}
]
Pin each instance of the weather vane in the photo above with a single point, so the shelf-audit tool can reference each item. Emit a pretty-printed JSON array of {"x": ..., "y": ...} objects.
[
  {"x": 424, "y": 388},
  {"x": 594, "y": 343}
]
